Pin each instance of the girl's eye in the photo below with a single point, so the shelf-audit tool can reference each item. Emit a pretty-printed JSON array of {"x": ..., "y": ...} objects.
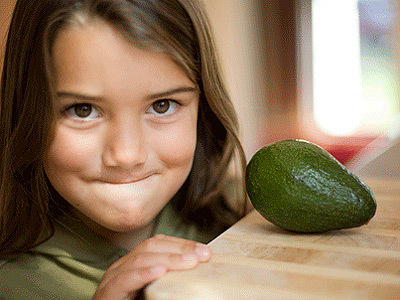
[
  {"x": 163, "y": 107},
  {"x": 82, "y": 111}
]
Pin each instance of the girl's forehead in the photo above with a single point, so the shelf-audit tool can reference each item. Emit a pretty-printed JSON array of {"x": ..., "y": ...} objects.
[
  {"x": 97, "y": 58},
  {"x": 87, "y": 25}
]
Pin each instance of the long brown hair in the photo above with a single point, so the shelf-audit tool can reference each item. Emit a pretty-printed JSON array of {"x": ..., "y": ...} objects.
[{"x": 178, "y": 28}]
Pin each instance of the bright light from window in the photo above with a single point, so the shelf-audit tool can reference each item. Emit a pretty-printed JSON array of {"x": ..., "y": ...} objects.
[
  {"x": 336, "y": 66},
  {"x": 355, "y": 80}
]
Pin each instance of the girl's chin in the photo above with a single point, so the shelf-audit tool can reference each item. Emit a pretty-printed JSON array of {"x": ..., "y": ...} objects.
[
  {"x": 128, "y": 225},
  {"x": 121, "y": 222}
]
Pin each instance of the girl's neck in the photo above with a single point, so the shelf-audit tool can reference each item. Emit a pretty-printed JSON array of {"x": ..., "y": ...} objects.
[
  {"x": 130, "y": 240},
  {"x": 124, "y": 240}
]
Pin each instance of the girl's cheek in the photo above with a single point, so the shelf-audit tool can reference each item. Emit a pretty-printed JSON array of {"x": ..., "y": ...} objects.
[
  {"x": 177, "y": 141},
  {"x": 72, "y": 151},
  {"x": 177, "y": 146}
]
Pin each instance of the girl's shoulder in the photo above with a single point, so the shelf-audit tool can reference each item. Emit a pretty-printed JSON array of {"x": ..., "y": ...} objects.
[
  {"x": 69, "y": 265},
  {"x": 32, "y": 276}
]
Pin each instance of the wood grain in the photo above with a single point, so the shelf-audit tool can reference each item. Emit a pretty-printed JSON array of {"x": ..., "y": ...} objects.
[{"x": 254, "y": 259}]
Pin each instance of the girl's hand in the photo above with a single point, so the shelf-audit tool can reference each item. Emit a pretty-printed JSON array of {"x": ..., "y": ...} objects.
[{"x": 147, "y": 262}]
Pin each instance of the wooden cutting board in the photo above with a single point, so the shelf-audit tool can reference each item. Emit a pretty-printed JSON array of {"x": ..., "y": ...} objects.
[{"x": 254, "y": 259}]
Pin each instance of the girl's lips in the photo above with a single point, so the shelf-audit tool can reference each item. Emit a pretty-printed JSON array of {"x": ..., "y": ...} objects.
[{"x": 125, "y": 180}]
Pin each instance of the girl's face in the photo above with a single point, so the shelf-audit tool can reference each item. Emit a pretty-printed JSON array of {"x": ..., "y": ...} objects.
[{"x": 125, "y": 127}]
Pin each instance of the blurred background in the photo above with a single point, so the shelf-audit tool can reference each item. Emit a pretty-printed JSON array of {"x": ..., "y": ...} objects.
[{"x": 321, "y": 70}]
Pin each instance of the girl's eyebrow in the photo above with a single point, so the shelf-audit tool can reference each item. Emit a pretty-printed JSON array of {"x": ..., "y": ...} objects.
[
  {"x": 63, "y": 94},
  {"x": 183, "y": 89}
]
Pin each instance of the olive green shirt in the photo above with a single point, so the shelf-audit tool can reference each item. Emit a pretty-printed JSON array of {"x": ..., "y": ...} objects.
[{"x": 71, "y": 263}]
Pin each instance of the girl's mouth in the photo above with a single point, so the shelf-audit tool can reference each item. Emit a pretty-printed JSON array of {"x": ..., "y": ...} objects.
[{"x": 125, "y": 180}]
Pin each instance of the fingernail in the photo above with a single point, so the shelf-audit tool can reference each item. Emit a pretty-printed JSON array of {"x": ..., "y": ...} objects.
[
  {"x": 189, "y": 257},
  {"x": 203, "y": 251}
]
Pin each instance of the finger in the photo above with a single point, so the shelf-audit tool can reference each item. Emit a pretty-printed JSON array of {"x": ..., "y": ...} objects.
[
  {"x": 128, "y": 282},
  {"x": 172, "y": 261},
  {"x": 164, "y": 243}
]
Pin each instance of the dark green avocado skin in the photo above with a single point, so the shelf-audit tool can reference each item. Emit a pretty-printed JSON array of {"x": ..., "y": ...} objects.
[{"x": 300, "y": 187}]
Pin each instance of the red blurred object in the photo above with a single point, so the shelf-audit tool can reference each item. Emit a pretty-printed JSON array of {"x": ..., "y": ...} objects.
[
  {"x": 344, "y": 153},
  {"x": 347, "y": 149}
]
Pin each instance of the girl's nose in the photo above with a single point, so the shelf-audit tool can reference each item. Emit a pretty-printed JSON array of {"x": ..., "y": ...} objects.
[{"x": 125, "y": 146}]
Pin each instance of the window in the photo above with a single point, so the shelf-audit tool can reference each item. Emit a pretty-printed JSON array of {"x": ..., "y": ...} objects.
[{"x": 348, "y": 79}]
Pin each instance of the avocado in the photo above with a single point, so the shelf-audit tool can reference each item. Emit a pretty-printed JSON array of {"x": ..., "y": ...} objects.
[{"x": 300, "y": 187}]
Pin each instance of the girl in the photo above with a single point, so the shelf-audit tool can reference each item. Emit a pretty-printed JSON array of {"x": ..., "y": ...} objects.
[{"x": 117, "y": 141}]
